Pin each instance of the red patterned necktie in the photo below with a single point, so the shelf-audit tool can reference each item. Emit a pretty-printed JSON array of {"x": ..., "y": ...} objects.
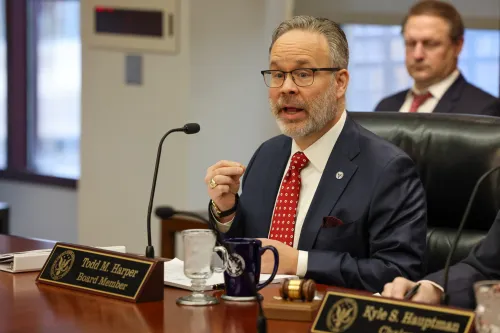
[
  {"x": 419, "y": 100},
  {"x": 283, "y": 224}
]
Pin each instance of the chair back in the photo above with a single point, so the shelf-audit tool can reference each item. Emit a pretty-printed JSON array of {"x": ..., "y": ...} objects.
[{"x": 451, "y": 153}]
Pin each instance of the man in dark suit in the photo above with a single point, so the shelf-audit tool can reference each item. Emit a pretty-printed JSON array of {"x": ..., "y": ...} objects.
[
  {"x": 481, "y": 264},
  {"x": 341, "y": 205},
  {"x": 434, "y": 35}
]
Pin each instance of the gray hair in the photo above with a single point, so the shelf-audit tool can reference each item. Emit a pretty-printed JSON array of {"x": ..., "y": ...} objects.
[{"x": 337, "y": 41}]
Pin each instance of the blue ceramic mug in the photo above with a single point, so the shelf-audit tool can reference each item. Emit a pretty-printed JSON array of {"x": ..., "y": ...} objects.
[{"x": 242, "y": 275}]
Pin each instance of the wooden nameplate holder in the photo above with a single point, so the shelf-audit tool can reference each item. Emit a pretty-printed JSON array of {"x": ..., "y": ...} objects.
[
  {"x": 295, "y": 310},
  {"x": 345, "y": 311},
  {"x": 126, "y": 277}
]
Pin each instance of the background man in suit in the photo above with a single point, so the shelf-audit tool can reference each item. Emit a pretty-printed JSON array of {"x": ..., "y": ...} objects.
[
  {"x": 433, "y": 32},
  {"x": 341, "y": 205},
  {"x": 481, "y": 264}
]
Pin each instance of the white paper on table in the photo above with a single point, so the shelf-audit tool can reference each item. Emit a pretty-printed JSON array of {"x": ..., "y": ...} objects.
[
  {"x": 32, "y": 261},
  {"x": 174, "y": 276}
]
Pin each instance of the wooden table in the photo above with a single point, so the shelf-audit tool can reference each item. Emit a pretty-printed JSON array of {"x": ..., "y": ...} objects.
[{"x": 29, "y": 307}]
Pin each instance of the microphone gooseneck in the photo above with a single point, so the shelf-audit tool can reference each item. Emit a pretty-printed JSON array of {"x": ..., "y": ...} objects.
[
  {"x": 444, "y": 296},
  {"x": 190, "y": 128}
]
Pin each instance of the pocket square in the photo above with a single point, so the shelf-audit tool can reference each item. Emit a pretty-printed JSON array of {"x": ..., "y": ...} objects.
[{"x": 331, "y": 221}]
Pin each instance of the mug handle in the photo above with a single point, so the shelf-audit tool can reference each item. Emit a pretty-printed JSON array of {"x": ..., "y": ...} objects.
[
  {"x": 222, "y": 250},
  {"x": 276, "y": 264}
]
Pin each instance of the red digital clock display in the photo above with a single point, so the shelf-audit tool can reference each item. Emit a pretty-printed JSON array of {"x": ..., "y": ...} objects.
[{"x": 128, "y": 21}]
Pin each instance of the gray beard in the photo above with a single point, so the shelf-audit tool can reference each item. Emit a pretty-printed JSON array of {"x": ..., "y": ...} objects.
[{"x": 320, "y": 112}]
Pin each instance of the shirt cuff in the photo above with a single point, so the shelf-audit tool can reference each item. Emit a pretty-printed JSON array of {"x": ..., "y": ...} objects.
[
  {"x": 434, "y": 284},
  {"x": 302, "y": 263},
  {"x": 223, "y": 227}
]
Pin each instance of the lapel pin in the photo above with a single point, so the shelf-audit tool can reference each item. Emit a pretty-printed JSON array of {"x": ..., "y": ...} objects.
[{"x": 339, "y": 175}]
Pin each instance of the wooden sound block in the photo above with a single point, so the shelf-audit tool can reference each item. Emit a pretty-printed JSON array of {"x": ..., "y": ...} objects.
[{"x": 290, "y": 310}]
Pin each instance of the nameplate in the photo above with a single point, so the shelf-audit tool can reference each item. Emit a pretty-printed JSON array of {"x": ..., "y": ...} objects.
[
  {"x": 123, "y": 276},
  {"x": 345, "y": 312}
]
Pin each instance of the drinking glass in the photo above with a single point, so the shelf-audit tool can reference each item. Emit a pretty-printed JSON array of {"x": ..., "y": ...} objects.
[
  {"x": 199, "y": 246},
  {"x": 488, "y": 302}
]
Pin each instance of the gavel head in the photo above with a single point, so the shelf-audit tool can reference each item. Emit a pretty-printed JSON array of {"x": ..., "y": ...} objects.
[{"x": 298, "y": 289}]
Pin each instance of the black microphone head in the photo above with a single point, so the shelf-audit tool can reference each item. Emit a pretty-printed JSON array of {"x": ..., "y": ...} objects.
[
  {"x": 165, "y": 212},
  {"x": 191, "y": 128}
]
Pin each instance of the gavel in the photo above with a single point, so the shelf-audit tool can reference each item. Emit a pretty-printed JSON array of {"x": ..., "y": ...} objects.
[{"x": 298, "y": 289}]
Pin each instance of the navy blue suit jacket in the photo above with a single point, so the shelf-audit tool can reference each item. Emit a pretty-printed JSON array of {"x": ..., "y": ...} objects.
[
  {"x": 483, "y": 263},
  {"x": 380, "y": 200},
  {"x": 461, "y": 97}
]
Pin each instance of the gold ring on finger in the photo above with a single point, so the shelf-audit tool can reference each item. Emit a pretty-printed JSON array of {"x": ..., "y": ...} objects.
[{"x": 212, "y": 183}]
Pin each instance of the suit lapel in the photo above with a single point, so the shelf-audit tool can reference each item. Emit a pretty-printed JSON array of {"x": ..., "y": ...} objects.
[
  {"x": 277, "y": 165},
  {"x": 330, "y": 187},
  {"x": 392, "y": 103},
  {"x": 447, "y": 103},
  {"x": 399, "y": 100}
]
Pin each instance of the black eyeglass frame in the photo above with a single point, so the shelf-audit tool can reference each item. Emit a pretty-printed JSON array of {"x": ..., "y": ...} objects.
[{"x": 314, "y": 70}]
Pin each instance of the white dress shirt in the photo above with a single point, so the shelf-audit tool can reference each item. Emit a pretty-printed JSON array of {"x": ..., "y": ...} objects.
[
  {"x": 437, "y": 90},
  {"x": 318, "y": 154}
]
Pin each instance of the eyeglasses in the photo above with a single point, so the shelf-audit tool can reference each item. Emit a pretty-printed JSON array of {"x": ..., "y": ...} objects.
[{"x": 302, "y": 77}]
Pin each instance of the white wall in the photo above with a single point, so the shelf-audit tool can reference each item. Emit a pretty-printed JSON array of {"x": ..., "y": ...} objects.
[
  {"x": 214, "y": 80},
  {"x": 121, "y": 128},
  {"x": 228, "y": 96},
  {"x": 479, "y": 14},
  {"x": 40, "y": 211}
]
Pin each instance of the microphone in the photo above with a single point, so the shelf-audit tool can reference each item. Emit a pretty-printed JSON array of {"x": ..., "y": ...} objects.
[
  {"x": 190, "y": 128},
  {"x": 166, "y": 212},
  {"x": 445, "y": 297}
]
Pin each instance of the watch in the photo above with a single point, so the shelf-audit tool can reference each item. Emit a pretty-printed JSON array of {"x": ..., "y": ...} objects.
[{"x": 218, "y": 213}]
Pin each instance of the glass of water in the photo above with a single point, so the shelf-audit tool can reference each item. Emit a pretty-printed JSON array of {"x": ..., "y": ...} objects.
[
  {"x": 488, "y": 302},
  {"x": 199, "y": 245}
]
